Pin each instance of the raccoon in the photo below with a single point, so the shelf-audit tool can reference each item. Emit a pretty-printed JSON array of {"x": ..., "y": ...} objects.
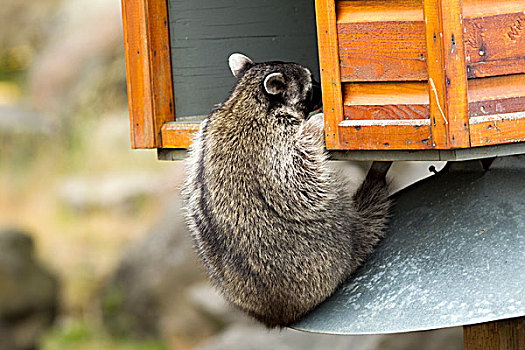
[{"x": 277, "y": 230}]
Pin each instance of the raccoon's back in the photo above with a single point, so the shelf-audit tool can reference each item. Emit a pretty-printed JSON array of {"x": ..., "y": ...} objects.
[{"x": 270, "y": 266}]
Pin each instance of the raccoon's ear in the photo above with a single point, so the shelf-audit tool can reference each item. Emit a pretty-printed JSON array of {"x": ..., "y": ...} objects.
[
  {"x": 239, "y": 64},
  {"x": 274, "y": 83}
]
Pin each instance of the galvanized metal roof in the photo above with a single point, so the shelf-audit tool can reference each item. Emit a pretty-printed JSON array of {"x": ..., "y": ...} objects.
[{"x": 454, "y": 255}]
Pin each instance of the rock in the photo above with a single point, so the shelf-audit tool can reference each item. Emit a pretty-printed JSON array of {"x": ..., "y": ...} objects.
[
  {"x": 28, "y": 293},
  {"x": 19, "y": 121},
  {"x": 209, "y": 301},
  {"x": 146, "y": 296},
  {"x": 241, "y": 337}
]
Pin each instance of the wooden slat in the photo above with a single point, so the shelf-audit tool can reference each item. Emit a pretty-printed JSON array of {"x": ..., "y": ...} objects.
[
  {"x": 382, "y": 50},
  {"x": 385, "y": 93},
  {"x": 379, "y": 10},
  {"x": 495, "y": 45},
  {"x": 387, "y": 112},
  {"x": 497, "y": 335},
  {"x": 160, "y": 64},
  {"x": 499, "y": 128},
  {"x": 383, "y": 40},
  {"x": 178, "y": 135},
  {"x": 330, "y": 73},
  {"x": 436, "y": 77},
  {"x": 496, "y": 106},
  {"x": 385, "y": 101},
  {"x": 496, "y": 87},
  {"x": 496, "y": 95},
  {"x": 481, "y": 8},
  {"x": 493, "y": 98},
  {"x": 148, "y": 70},
  {"x": 401, "y": 134},
  {"x": 385, "y": 134},
  {"x": 455, "y": 73}
]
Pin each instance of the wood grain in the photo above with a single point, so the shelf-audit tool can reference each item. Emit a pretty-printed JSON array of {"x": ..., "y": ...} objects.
[
  {"x": 495, "y": 45},
  {"x": 381, "y": 40},
  {"x": 407, "y": 100},
  {"x": 382, "y": 51},
  {"x": 387, "y": 112},
  {"x": 481, "y": 8},
  {"x": 496, "y": 87},
  {"x": 436, "y": 76},
  {"x": 498, "y": 335},
  {"x": 379, "y": 10},
  {"x": 390, "y": 101},
  {"x": 148, "y": 70},
  {"x": 385, "y": 93},
  {"x": 395, "y": 115},
  {"x": 496, "y": 129},
  {"x": 455, "y": 73},
  {"x": 384, "y": 136},
  {"x": 496, "y": 106},
  {"x": 178, "y": 135},
  {"x": 496, "y": 95},
  {"x": 330, "y": 73},
  {"x": 160, "y": 64}
]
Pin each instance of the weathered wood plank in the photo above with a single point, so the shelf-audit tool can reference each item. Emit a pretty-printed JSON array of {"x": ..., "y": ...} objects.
[
  {"x": 496, "y": 87},
  {"x": 495, "y": 45},
  {"x": 385, "y": 93},
  {"x": 498, "y": 128},
  {"x": 494, "y": 98},
  {"x": 382, "y": 51},
  {"x": 178, "y": 135},
  {"x": 481, "y": 8},
  {"x": 455, "y": 73},
  {"x": 385, "y": 134},
  {"x": 142, "y": 125},
  {"x": 498, "y": 335},
  {"x": 381, "y": 40},
  {"x": 496, "y": 95},
  {"x": 436, "y": 76},
  {"x": 379, "y": 10},
  {"x": 330, "y": 73},
  {"x": 408, "y": 100},
  {"x": 496, "y": 106},
  {"x": 148, "y": 67},
  {"x": 387, "y": 112}
]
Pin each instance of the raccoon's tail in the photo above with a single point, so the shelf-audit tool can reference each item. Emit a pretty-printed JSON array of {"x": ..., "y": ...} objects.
[{"x": 372, "y": 208}]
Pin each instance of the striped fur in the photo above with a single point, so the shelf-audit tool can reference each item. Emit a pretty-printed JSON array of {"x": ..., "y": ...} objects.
[{"x": 276, "y": 228}]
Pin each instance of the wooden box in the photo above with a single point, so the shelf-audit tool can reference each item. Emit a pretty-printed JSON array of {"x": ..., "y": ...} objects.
[
  {"x": 422, "y": 74},
  {"x": 427, "y": 75}
]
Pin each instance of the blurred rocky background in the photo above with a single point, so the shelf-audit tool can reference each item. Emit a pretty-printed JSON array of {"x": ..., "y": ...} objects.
[{"x": 94, "y": 253}]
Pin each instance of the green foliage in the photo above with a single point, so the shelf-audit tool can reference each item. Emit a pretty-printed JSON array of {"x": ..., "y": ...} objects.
[{"x": 86, "y": 336}]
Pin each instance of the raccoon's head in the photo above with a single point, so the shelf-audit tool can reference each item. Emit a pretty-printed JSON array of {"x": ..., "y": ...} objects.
[{"x": 287, "y": 88}]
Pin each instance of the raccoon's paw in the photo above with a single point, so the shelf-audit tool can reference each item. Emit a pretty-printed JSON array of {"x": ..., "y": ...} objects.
[
  {"x": 316, "y": 121},
  {"x": 314, "y": 128}
]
